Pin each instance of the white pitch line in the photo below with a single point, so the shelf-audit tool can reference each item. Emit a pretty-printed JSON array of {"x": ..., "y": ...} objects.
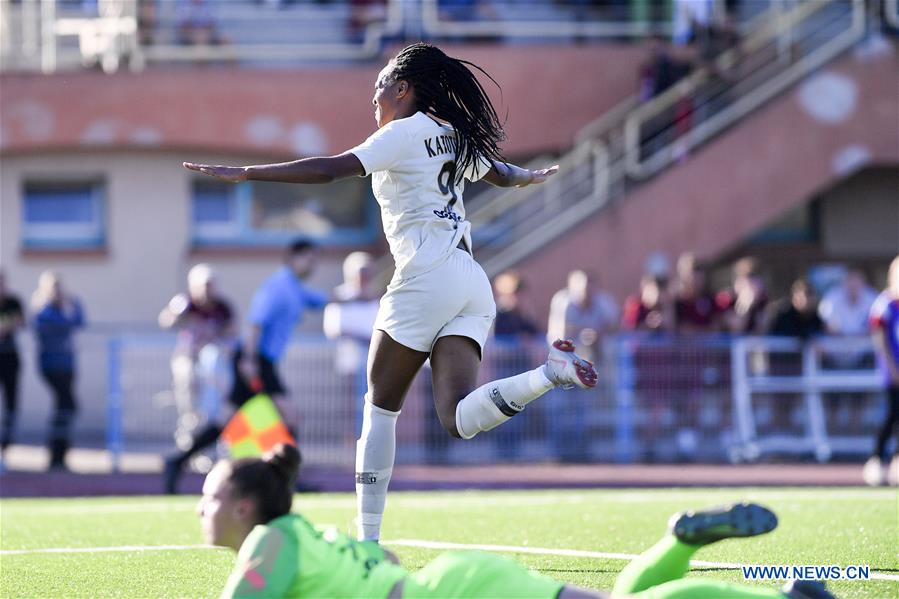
[
  {"x": 404, "y": 543},
  {"x": 570, "y": 553},
  {"x": 124, "y": 548}
]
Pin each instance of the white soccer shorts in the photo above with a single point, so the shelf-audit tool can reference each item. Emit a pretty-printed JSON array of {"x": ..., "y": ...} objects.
[{"x": 453, "y": 299}]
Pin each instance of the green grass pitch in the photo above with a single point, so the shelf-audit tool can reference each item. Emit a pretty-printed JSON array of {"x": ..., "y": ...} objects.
[{"x": 817, "y": 526}]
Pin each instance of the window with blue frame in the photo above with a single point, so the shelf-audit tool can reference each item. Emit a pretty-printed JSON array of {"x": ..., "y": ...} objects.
[
  {"x": 63, "y": 215},
  {"x": 214, "y": 211},
  {"x": 270, "y": 214}
]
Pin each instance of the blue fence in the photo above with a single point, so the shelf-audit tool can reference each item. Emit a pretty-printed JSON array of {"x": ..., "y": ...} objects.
[{"x": 660, "y": 399}]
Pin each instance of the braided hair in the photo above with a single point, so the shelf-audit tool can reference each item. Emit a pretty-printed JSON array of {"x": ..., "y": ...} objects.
[{"x": 446, "y": 88}]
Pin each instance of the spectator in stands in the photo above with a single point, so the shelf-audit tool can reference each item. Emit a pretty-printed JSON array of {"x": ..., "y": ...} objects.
[
  {"x": 12, "y": 319},
  {"x": 147, "y": 19},
  {"x": 793, "y": 316},
  {"x": 721, "y": 36},
  {"x": 511, "y": 320},
  {"x": 716, "y": 93},
  {"x": 706, "y": 34},
  {"x": 196, "y": 24},
  {"x": 885, "y": 332},
  {"x": 745, "y": 303},
  {"x": 205, "y": 326},
  {"x": 56, "y": 317},
  {"x": 659, "y": 72},
  {"x": 583, "y": 312},
  {"x": 845, "y": 309},
  {"x": 695, "y": 307},
  {"x": 350, "y": 319},
  {"x": 517, "y": 337},
  {"x": 797, "y": 315},
  {"x": 276, "y": 309},
  {"x": 653, "y": 309}
]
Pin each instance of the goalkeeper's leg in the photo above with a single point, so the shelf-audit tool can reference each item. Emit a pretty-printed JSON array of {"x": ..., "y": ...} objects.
[{"x": 669, "y": 559}]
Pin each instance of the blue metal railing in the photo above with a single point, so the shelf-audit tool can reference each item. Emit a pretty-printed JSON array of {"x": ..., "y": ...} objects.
[{"x": 661, "y": 398}]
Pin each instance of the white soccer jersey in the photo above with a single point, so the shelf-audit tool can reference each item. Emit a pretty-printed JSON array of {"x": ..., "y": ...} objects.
[{"x": 412, "y": 165}]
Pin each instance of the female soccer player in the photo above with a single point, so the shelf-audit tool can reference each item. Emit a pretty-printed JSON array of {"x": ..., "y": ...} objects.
[
  {"x": 246, "y": 506},
  {"x": 436, "y": 128}
]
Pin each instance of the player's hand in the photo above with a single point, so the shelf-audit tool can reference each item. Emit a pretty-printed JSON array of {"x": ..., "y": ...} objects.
[
  {"x": 542, "y": 175},
  {"x": 232, "y": 174}
]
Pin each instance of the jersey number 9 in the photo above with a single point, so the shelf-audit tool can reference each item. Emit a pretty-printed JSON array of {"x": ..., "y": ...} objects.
[{"x": 446, "y": 181}]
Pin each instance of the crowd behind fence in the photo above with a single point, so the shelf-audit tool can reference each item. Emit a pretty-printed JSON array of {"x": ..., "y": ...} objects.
[{"x": 661, "y": 398}]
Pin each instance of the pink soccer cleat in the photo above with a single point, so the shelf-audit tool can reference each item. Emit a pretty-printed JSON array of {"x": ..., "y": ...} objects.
[{"x": 566, "y": 370}]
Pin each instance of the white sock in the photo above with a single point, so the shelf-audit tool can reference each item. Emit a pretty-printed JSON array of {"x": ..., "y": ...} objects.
[
  {"x": 492, "y": 404},
  {"x": 375, "y": 452}
]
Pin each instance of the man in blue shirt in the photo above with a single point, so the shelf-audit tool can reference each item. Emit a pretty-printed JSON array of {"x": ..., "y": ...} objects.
[
  {"x": 276, "y": 309},
  {"x": 56, "y": 317}
]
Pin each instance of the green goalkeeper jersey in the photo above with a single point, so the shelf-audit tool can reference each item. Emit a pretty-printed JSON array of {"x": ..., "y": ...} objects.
[{"x": 289, "y": 557}]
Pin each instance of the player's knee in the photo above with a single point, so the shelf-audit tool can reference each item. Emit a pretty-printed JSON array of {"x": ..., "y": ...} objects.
[
  {"x": 453, "y": 431},
  {"x": 384, "y": 400},
  {"x": 448, "y": 420}
]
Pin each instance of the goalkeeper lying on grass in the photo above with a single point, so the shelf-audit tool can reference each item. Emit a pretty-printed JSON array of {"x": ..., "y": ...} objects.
[{"x": 246, "y": 506}]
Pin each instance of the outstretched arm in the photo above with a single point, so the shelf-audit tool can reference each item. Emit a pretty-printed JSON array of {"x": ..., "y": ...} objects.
[
  {"x": 306, "y": 170},
  {"x": 508, "y": 175}
]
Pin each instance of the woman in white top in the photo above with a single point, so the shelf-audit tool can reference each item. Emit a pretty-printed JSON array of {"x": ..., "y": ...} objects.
[{"x": 436, "y": 128}]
